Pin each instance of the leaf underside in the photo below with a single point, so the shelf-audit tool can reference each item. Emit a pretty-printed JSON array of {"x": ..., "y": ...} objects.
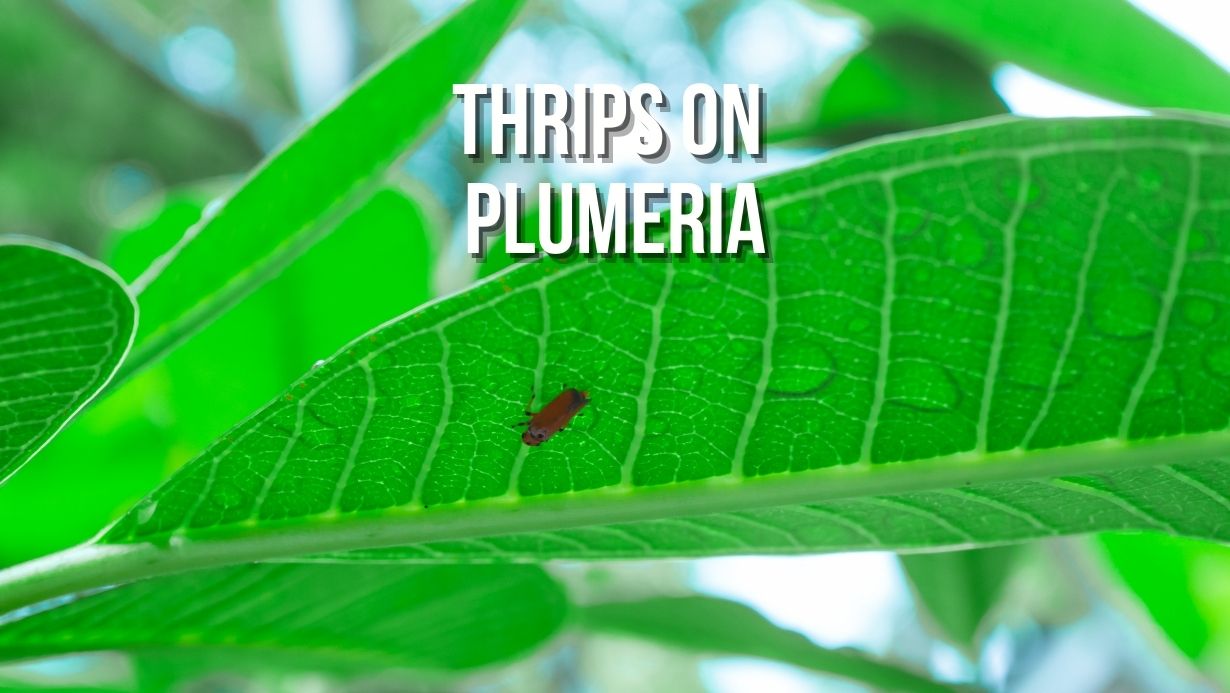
[
  {"x": 421, "y": 617},
  {"x": 65, "y": 325},
  {"x": 717, "y": 626},
  {"x": 977, "y": 335}
]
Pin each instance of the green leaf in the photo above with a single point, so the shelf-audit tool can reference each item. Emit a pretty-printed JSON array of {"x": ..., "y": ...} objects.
[
  {"x": 978, "y": 335},
  {"x": 497, "y": 257},
  {"x": 376, "y": 265},
  {"x": 718, "y": 626},
  {"x": 1105, "y": 47},
  {"x": 313, "y": 617},
  {"x": 299, "y": 194},
  {"x": 958, "y": 589},
  {"x": 66, "y": 323},
  {"x": 1157, "y": 569},
  {"x": 903, "y": 80}
]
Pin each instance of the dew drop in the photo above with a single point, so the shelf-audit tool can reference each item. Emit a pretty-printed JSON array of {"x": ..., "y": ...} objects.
[
  {"x": 1198, "y": 310},
  {"x": 800, "y": 367},
  {"x": 1162, "y": 385},
  {"x": 685, "y": 378},
  {"x": 146, "y": 512},
  {"x": 1217, "y": 360},
  {"x": 908, "y": 224},
  {"x": 656, "y": 425},
  {"x": 743, "y": 347},
  {"x": 1124, "y": 311},
  {"x": 857, "y": 325},
  {"x": 1149, "y": 179},
  {"x": 1033, "y": 192},
  {"x": 1198, "y": 241},
  {"x": 966, "y": 246},
  {"x": 923, "y": 386},
  {"x": 1034, "y": 367},
  {"x": 318, "y": 364},
  {"x": 795, "y": 216}
]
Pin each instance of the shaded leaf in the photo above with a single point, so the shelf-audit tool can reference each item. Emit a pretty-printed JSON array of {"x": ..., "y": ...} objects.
[
  {"x": 314, "y": 617},
  {"x": 958, "y": 589},
  {"x": 1105, "y": 47},
  {"x": 718, "y": 626},
  {"x": 376, "y": 265},
  {"x": 903, "y": 80}
]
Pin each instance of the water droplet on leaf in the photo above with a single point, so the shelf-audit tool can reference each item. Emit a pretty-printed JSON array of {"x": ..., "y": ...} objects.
[
  {"x": 923, "y": 386},
  {"x": 965, "y": 245},
  {"x": 800, "y": 366},
  {"x": 146, "y": 512},
  {"x": 1162, "y": 385},
  {"x": 1199, "y": 311},
  {"x": 1125, "y": 311},
  {"x": 1217, "y": 360},
  {"x": 1149, "y": 179}
]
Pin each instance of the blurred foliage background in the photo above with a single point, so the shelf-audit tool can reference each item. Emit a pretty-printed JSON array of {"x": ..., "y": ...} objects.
[{"x": 121, "y": 119}]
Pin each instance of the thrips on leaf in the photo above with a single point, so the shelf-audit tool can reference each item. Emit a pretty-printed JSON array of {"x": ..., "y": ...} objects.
[{"x": 552, "y": 418}]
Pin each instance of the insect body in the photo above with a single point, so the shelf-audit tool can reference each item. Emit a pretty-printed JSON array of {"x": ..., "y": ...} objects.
[{"x": 552, "y": 418}]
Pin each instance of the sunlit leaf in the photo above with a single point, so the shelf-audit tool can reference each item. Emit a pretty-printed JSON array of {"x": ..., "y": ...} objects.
[
  {"x": 979, "y": 335},
  {"x": 376, "y": 265},
  {"x": 66, "y": 323},
  {"x": 1011, "y": 331},
  {"x": 304, "y": 189}
]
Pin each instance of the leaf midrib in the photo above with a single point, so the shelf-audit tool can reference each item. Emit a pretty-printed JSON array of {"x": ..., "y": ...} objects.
[{"x": 95, "y": 565}]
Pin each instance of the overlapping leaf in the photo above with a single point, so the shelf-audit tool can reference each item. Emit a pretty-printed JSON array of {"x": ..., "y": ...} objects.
[
  {"x": 65, "y": 324},
  {"x": 310, "y": 617},
  {"x": 1129, "y": 57},
  {"x": 721, "y": 627},
  {"x": 308, "y": 186}
]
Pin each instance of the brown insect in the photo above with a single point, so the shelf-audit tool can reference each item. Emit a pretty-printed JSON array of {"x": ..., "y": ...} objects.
[{"x": 552, "y": 418}]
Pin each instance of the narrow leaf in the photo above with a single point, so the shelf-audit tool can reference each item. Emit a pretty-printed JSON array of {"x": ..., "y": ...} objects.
[
  {"x": 316, "y": 617},
  {"x": 718, "y": 626},
  {"x": 1105, "y": 47},
  {"x": 987, "y": 324},
  {"x": 978, "y": 335},
  {"x": 66, "y": 322},
  {"x": 301, "y": 191},
  {"x": 903, "y": 80},
  {"x": 1158, "y": 570},
  {"x": 166, "y": 415},
  {"x": 959, "y": 589}
]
